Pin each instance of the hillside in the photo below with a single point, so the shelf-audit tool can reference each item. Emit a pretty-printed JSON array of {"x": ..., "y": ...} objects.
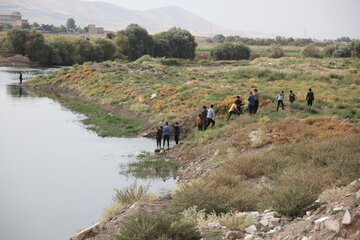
[
  {"x": 113, "y": 17},
  {"x": 252, "y": 177}
]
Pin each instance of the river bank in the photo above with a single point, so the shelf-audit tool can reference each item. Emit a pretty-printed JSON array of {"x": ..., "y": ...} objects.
[
  {"x": 250, "y": 163},
  {"x": 16, "y": 60}
]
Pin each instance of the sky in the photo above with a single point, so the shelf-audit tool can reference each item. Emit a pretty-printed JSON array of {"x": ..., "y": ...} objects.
[{"x": 321, "y": 19}]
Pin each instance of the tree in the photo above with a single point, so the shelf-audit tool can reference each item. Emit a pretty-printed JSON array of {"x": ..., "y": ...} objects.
[
  {"x": 84, "y": 51},
  {"x": 230, "y": 39},
  {"x": 230, "y": 51},
  {"x": 62, "y": 52},
  {"x": 174, "y": 43},
  {"x": 16, "y": 40},
  {"x": 219, "y": 38},
  {"x": 25, "y": 26},
  {"x": 34, "y": 46},
  {"x": 134, "y": 42},
  {"x": 70, "y": 25},
  {"x": 107, "y": 47}
]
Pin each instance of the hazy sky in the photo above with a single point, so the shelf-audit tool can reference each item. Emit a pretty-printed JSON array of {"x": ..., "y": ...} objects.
[{"x": 321, "y": 18}]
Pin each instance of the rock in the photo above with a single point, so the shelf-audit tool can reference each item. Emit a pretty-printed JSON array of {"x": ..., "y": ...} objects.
[
  {"x": 332, "y": 225},
  {"x": 357, "y": 195},
  {"x": 249, "y": 237},
  {"x": 305, "y": 238},
  {"x": 264, "y": 222},
  {"x": 258, "y": 239},
  {"x": 251, "y": 229},
  {"x": 214, "y": 224},
  {"x": 275, "y": 230},
  {"x": 233, "y": 235},
  {"x": 274, "y": 222},
  {"x": 346, "y": 218},
  {"x": 153, "y": 96},
  {"x": 338, "y": 209},
  {"x": 320, "y": 220}
]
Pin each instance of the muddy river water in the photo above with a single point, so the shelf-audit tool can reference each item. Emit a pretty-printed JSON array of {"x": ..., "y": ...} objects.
[{"x": 55, "y": 176}]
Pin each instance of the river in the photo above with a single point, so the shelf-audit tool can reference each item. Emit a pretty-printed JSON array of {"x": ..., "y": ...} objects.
[{"x": 55, "y": 176}]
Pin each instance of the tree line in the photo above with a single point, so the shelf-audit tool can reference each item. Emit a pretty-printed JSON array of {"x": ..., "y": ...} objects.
[{"x": 128, "y": 44}]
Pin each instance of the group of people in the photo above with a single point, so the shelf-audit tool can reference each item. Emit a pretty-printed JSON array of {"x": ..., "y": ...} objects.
[
  {"x": 206, "y": 117},
  {"x": 253, "y": 102},
  {"x": 163, "y": 133}
]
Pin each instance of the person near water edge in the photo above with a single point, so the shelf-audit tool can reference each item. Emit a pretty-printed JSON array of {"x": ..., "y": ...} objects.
[
  {"x": 167, "y": 132},
  {"x": 176, "y": 132},
  {"x": 159, "y": 135}
]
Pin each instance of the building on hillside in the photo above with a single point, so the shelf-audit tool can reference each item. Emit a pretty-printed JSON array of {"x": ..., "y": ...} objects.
[
  {"x": 95, "y": 30},
  {"x": 14, "y": 19}
]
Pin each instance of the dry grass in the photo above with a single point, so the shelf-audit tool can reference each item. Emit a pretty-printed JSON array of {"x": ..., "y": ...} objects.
[{"x": 132, "y": 194}]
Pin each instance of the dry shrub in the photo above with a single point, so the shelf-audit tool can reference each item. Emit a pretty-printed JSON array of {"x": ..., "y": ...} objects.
[
  {"x": 132, "y": 194},
  {"x": 111, "y": 211},
  {"x": 224, "y": 178},
  {"x": 250, "y": 166},
  {"x": 235, "y": 222}
]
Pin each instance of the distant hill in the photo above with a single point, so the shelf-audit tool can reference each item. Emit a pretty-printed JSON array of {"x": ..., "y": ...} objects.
[{"x": 113, "y": 17}]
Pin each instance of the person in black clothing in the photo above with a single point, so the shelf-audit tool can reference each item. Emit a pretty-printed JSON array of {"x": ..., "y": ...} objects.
[
  {"x": 238, "y": 103},
  {"x": 176, "y": 132},
  {"x": 257, "y": 98},
  {"x": 20, "y": 78},
  {"x": 310, "y": 97},
  {"x": 159, "y": 135},
  {"x": 203, "y": 117},
  {"x": 292, "y": 97}
]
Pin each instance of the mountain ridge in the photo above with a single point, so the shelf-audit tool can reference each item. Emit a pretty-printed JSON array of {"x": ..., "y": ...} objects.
[{"x": 114, "y": 17}]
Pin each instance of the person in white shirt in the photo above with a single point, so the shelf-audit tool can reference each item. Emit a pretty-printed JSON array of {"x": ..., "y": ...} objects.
[
  {"x": 280, "y": 99},
  {"x": 210, "y": 117}
]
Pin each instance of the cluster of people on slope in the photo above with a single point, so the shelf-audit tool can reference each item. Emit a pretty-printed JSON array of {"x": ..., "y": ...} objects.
[
  {"x": 206, "y": 117},
  {"x": 164, "y": 132}
]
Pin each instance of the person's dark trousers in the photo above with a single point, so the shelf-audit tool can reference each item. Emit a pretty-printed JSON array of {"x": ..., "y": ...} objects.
[
  {"x": 231, "y": 113},
  {"x": 280, "y": 102},
  {"x": 238, "y": 110},
  {"x": 256, "y": 106},
  {"x": 309, "y": 102},
  {"x": 251, "y": 109},
  {"x": 158, "y": 142},
  {"x": 204, "y": 124},
  {"x": 200, "y": 127},
  {"x": 209, "y": 120},
  {"x": 166, "y": 138},
  {"x": 177, "y": 139}
]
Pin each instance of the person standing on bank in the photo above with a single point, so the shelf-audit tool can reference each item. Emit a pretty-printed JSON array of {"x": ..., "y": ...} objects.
[
  {"x": 280, "y": 99},
  {"x": 159, "y": 135},
  {"x": 257, "y": 99},
  {"x": 167, "y": 132},
  {"x": 232, "y": 110},
  {"x": 210, "y": 118},
  {"x": 176, "y": 132},
  {"x": 204, "y": 113},
  {"x": 251, "y": 103},
  {"x": 292, "y": 97},
  {"x": 310, "y": 97},
  {"x": 20, "y": 78}
]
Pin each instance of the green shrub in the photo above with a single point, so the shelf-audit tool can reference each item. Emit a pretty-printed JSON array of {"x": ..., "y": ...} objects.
[
  {"x": 311, "y": 51},
  {"x": 355, "y": 48},
  {"x": 337, "y": 50},
  {"x": 155, "y": 226},
  {"x": 230, "y": 51}
]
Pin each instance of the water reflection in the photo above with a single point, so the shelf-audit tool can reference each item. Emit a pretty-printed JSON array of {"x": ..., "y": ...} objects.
[{"x": 16, "y": 91}]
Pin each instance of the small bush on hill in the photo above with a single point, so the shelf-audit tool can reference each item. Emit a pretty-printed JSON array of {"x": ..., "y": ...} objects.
[
  {"x": 355, "y": 49},
  {"x": 155, "y": 226},
  {"x": 276, "y": 52},
  {"x": 132, "y": 194},
  {"x": 230, "y": 51},
  {"x": 311, "y": 51}
]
